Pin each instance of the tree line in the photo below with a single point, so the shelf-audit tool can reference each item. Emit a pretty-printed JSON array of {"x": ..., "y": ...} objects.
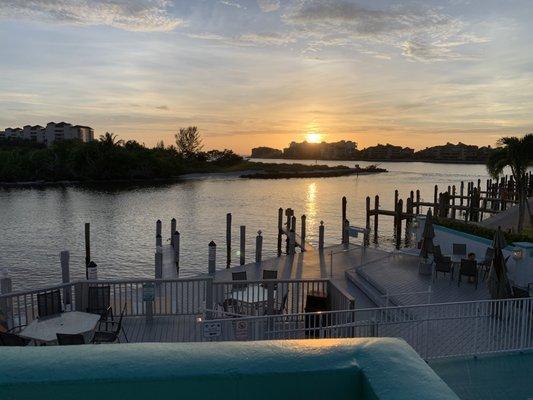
[{"x": 110, "y": 159}]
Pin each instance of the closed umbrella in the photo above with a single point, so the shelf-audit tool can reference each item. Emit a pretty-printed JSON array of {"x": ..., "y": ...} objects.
[
  {"x": 427, "y": 236},
  {"x": 498, "y": 282}
]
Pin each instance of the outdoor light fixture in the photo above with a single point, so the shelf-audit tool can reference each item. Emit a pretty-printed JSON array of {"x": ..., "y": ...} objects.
[{"x": 517, "y": 254}]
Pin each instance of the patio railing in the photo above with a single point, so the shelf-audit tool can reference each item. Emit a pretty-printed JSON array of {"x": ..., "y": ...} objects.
[{"x": 434, "y": 331}]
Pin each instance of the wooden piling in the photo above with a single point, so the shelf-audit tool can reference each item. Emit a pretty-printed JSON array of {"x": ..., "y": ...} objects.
[
  {"x": 399, "y": 209},
  {"x": 280, "y": 229},
  {"x": 417, "y": 201},
  {"x": 453, "y": 201},
  {"x": 212, "y": 258},
  {"x": 292, "y": 241},
  {"x": 6, "y": 304},
  {"x": 367, "y": 224},
  {"x": 228, "y": 240},
  {"x": 376, "y": 211},
  {"x": 343, "y": 219},
  {"x": 64, "y": 258},
  {"x": 302, "y": 235},
  {"x": 243, "y": 245},
  {"x": 87, "y": 248},
  {"x": 158, "y": 273},
  {"x": 158, "y": 240},
  {"x": 346, "y": 232},
  {"x": 258, "y": 247},
  {"x": 435, "y": 200},
  {"x": 176, "y": 248},
  {"x": 158, "y": 227},
  {"x": 173, "y": 226},
  {"x": 321, "y": 236},
  {"x": 408, "y": 220}
]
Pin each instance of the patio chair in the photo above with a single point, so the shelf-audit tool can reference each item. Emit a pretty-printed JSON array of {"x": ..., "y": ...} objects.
[
  {"x": 65, "y": 339},
  {"x": 239, "y": 276},
  {"x": 99, "y": 301},
  {"x": 486, "y": 262},
  {"x": 459, "y": 249},
  {"x": 12, "y": 339},
  {"x": 49, "y": 303},
  {"x": 437, "y": 254},
  {"x": 444, "y": 265},
  {"x": 232, "y": 306},
  {"x": 281, "y": 309},
  {"x": 112, "y": 335},
  {"x": 468, "y": 268},
  {"x": 268, "y": 274}
]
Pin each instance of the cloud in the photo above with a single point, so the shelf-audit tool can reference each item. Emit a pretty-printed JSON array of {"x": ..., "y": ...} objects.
[
  {"x": 422, "y": 33},
  {"x": 267, "y": 39},
  {"x": 231, "y": 4},
  {"x": 131, "y": 15},
  {"x": 268, "y": 5},
  {"x": 163, "y": 107}
]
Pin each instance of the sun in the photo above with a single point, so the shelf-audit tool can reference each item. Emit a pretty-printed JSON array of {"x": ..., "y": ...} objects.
[{"x": 313, "y": 137}]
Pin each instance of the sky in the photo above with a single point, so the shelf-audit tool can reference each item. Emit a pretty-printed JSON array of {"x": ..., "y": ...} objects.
[{"x": 254, "y": 73}]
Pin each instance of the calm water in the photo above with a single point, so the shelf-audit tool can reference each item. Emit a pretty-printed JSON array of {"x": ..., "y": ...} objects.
[{"x": 36, "y": 224}]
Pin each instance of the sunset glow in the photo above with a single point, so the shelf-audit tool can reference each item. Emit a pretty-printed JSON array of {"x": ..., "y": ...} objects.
[
  {"x": 313, "y": 137},
  {"x": 254, "y": 73}
]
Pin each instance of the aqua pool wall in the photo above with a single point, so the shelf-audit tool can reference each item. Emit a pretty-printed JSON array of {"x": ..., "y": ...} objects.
[{"x": 383, "y": 369}]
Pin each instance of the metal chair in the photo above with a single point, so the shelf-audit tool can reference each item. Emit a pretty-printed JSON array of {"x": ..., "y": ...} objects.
[
  {"x": 49, "y": 303},
  {"x": 65, "y": 339},
  {"x": 112, "y": 335},
  {"x": 459, "y": 249},
  {"x": 444, "y": 265},
  {"x": 12, "y": 339},
  {"x": 99, "y": 300},
  {"x": 468, "y": 268},
  {"x": 239, "y": 276},
  {"x": 487, "y": 261}
]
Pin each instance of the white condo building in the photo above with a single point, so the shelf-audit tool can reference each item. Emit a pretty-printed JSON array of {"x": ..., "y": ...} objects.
[{"x": 49, "y": 134}]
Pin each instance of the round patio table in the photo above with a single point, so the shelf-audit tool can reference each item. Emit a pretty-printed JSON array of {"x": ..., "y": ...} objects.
[{"x": 45, "y": 329}]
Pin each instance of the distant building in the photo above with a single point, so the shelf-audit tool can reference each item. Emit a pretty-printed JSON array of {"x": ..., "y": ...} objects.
[
  {"x": 266, "y": 152},
  {"x": 343, "y": 150},
  {"x": 451, "y": 152},
  {"x": 386, "y": 152},
  {"x": 49, "y": 134}
]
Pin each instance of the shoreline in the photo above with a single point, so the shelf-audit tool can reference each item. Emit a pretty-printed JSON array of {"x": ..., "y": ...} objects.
[{"x": 377, "y": 161}]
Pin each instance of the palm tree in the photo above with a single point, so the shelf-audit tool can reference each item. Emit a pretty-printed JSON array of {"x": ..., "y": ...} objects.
[
  {"x": 517, "y": 154},
  {"x": 110, "y": 139}
]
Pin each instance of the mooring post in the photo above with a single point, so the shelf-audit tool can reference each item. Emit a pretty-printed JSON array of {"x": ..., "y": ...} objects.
[
  {"x": 396, "y": 195},
  {"x": 417, "y": 201},
  {"x": 6, "y": 304},
  {"x": 302, "y": 236},
  {"x": 453, "y": 201},
  {"x": 212, "y": 258},
  {"x": 367, "y": 224},
  {"x": 399, "y": 209},
  {"x": 280, "y": 229},
  {"x": 435, "y": 200},
  {"x": 228, "y": 240},
  {"x": 158, "y": 226},
  {"x": 64, "y": 258},
  {"x": 343, "y": 237},
  {"x": 461, "y": 193},
  {"x": 376, "y": 213},
  {"x": 292, "y": 241},
  {"x": 158, "y": 240},
  {"x": 87, "y": 247},
  {"x": 408, "y": 220},
  {"x": 321, "y": 236},
  {"x": 176, "y": 247},
  {"x": 158, "y": 273},
  {"x": 172, "y": 230},
  {"x": 346, "y": 232},
  {"x": 258, "y": 247},
  {"x": 243, "y": 245}
]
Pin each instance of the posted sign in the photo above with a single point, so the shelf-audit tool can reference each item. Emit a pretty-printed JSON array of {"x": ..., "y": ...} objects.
[
  {"x": 212, "y": 329},
  {"x": 241, "y": 330},
  {"x": 148, "y": 291}
]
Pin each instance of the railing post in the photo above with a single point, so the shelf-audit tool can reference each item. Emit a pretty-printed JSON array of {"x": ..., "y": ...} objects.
[
  {"x": 6, "y": 305},
  {"x": 243, "y": 245},
  {"x": 212, "y": 258},
  {"x": 64, "y": 257},
  {"x": 176, "y": 247},
  {"x": 258, "y": 247},
  {"x": 321, "y": 236}
]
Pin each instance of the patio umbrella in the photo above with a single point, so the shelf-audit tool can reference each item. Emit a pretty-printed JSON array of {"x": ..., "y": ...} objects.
[
  {"x": 498, "y": 283},
  {"x": 427, "y": 236}
]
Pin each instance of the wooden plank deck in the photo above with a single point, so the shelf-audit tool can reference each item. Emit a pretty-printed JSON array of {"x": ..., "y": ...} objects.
[{"x": 172, "y": 328}]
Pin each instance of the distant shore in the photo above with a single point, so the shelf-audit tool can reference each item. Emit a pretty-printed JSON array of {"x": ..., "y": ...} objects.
[
  {"x": 314, "y": 174},
  {"x": 375, "y": 161}
]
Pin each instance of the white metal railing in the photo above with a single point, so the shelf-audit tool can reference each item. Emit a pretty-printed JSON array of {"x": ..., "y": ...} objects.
[{"x": 433, "y": 330}]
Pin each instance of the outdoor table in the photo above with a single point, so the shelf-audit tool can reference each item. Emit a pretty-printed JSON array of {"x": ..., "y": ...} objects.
[
  {"x": 253, "y": 298},
  {"x": 45, "y": 329}
]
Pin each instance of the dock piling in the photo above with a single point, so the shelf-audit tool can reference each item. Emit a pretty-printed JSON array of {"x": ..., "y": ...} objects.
[
  {"x": 158, "y": 273},
  {"x": 258, "y": 247},
  {"x": 87, "y": 247},
  {"x": 376, "y": 210},
  {"x": 367, "y": 225},
  {"x": 243, "y": 245},
  {"x": 343, "y": 236},
  {"x": 158, "y": 226},
  {"x": 228, "y": 240},
  {"x": 172, "y": 230},
  {"x": 321, "y": 236},
  {"x": 212, "y": 258},
  {"x": 399, "y": 224},
  {"x": 6, "y": 304},
  {"x": 64, "y": 258},
  {"x": 158, "y": 240},
  {"x": 280, "y": 230},
  {"x": 302, "y": 236},
  {"x": 176, "y": 247}
]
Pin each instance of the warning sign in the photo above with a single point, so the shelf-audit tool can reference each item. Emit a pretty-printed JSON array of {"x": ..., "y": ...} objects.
[
  {"x": 241, "y": 330},
  {"x": 212, "y": 329}
]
